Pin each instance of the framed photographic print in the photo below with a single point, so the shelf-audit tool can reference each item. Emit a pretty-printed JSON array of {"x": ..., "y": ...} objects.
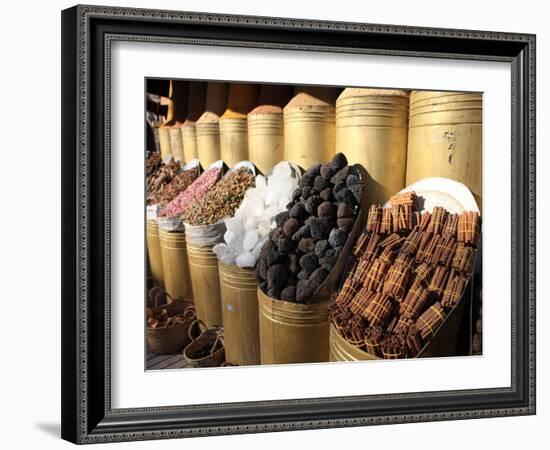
[{"x": 267, "y": 222}]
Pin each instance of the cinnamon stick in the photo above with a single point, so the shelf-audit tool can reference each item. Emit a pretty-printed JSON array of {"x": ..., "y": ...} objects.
[
  {"x": 373, "y": 339},
  {"x": 379, "y": 309},
  {"x": 374, "y": 219},
  {"x": 430, "y": 320},
  {"x": 439, "y": 280}
]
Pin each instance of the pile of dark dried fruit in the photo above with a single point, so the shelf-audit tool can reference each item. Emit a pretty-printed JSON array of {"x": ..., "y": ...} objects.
[{"x": 310, "y": 235}]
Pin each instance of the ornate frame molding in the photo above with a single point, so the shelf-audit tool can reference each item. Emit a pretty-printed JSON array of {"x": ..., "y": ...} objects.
[{"x": 80, "y": 423}]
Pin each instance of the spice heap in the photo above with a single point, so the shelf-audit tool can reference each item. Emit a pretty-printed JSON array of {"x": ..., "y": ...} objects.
[
  {"x": 152, "y": 164},
  {"x": 247, "y": 231},
  {"x": 411, "y": 271},
  {"x": 222, "y": 200},
  {"x": 178, "y": 185},
  {"x": 195, "y": 192},
  {"x": 304, "y": 247},
  {"x": 160, "y": 177}
]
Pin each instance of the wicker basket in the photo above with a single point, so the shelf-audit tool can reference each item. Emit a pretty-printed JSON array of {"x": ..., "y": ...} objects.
[
  {"x": 206, "y": 350},
  {"x": 162, "y": 341}
]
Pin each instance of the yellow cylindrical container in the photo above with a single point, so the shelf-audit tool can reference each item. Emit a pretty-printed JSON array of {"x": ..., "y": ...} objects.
[
  {"x": 239, "y": 296},
  {"x": 233, "y": 126},
  {"x": 153, "y": 251},
  {"x": 207, "y": 128},
  {"x": 292, "y": 332},
  {"x": 203, "y": 267},
  {"x": 175, "y": 264},
  {"x": 233, "y": 138},
  {"x": 371, "y": 130},
  {"x": 342, "y": 350},
  {"x": 445, "y": 138},
  {"x": 164, "y": 141},
  {"x": 309, "y": 130},
  {"x": 195, "y": 107},
  {"x": 176, "y": 142},
  {"x": 208, "y": 138},
  {"x": 189, "y": 140},
  {"x": 265, "y": 137}
]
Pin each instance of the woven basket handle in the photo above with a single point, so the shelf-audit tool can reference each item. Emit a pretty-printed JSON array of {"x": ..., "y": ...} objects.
[
  {"x": 189, "y": 312},
  {"x": 219, "y": 339},
  {"x": 196, "y": 323}
]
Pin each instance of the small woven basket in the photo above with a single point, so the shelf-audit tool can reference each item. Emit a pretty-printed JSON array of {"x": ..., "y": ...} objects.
[
  {"x": 206, "y": 350},
  {"x": 162, "y": 341}
]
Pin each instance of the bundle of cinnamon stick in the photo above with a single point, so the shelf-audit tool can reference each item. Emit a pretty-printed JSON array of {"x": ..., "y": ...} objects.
[{"x": 411, "y": 270}]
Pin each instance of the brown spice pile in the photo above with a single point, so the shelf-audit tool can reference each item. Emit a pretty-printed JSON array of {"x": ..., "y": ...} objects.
[
  {"x": 222, "y": 200},
  {"x": 159, "y": 178},
  {"x": 178, "y": 184}
]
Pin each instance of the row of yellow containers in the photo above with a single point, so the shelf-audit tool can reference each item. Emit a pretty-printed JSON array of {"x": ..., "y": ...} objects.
[
  {"x": 257, "y": 329},
  {"x": 398, "y": 138}
]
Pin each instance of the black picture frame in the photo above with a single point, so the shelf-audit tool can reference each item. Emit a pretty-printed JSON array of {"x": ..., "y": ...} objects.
[{"x": 87, "y": 33}]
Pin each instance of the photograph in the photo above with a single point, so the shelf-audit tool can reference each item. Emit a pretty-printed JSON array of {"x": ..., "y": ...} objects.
[{"x": 295, "y": 224}]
